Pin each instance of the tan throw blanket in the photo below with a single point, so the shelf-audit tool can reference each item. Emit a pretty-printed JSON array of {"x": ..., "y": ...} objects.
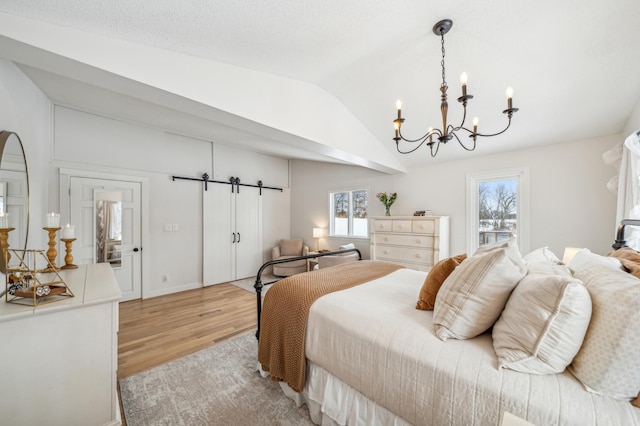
[{"x": 285, "y": 311}]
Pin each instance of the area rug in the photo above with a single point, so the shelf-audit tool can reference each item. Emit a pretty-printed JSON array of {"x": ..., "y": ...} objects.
[{"x": 215, "y": 386}]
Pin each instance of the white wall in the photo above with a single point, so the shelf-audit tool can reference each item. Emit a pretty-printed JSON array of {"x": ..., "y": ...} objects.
[
  {"x": 25, "y": 110},
  {"x": 570, "y": 205},
  {"x": 83, "y": 140}
]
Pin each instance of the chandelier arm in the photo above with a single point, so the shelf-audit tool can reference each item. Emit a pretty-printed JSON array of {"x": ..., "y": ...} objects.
[
  {"x": 411, "y": 150},
  {"x": 421, "y": 139},
  {"x": 463, "y": 145},
  {"x": 437, "y": 144},
  {"x": 494, "y": 134}
]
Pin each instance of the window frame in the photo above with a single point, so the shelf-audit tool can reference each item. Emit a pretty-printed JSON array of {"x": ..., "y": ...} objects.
[
  {"x": 521, "y": 175},
  {"x": 332, "y": 233}
]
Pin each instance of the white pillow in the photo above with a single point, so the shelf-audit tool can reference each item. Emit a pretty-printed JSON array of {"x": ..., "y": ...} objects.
[
  {"x": 472, "y": 297},
  {"x": 609, "y": 361},
  {"x": 543, "y": 324},
  {"x": 542, "y": 254},
  {"x": 511, "y": 242}
]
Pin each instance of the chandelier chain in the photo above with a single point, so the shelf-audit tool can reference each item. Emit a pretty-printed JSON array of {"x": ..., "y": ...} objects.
[{"x": 444, "y": 82}]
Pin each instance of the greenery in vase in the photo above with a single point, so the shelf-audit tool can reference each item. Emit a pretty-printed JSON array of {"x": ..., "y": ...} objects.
[{"x": 387, "y": 200}]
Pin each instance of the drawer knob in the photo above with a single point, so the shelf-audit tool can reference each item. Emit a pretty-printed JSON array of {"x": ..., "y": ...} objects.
[
  {"x": 386, "y": 238},
  {"x": 418, "y": 255},
  {"x": 418, "y": 241},
  {"x": 400, "y": 226},
  {"x": 386, "y": 252}
]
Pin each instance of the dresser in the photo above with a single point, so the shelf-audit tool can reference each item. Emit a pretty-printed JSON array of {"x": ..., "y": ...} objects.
[
  {"x": 416, "y": 242},
  {"x": 59, "y": 360}
]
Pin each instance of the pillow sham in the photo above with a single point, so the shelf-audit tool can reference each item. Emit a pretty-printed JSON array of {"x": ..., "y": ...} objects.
[
  {"x": 542, "y": 254},
  {"x": 473, "y": 296},
  {"x": 543, "y": 324},
  {"x": 436, "y": 276},
  {"x": 608, "y": 360},
  {"x": 511, "y": 242}
]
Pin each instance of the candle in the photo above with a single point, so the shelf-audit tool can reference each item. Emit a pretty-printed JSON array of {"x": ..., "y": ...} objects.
[
  {"x": 68, "y": 232},
  {"x": 463, "y": 79},
  {"x": 4, "y": 220},
  {"x": 399, "y": 107},
  {"x": 509, "y": 95},
  {"x": 52, "y": 220},
  {"x": 475, "y": 125}
]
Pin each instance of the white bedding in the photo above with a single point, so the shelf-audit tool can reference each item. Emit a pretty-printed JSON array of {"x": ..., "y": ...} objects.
[{"x": 373, "y": 339}]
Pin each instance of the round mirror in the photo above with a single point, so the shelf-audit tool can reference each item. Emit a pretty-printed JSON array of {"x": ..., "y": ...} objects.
[{"x": 14, "y": 196}]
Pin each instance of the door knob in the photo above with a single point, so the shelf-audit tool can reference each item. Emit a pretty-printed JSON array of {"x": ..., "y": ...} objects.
[{"x": 136, "y": 249}]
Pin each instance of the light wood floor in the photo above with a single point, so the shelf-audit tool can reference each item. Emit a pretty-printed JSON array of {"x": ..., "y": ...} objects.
[{"x": 162, "y": 329}]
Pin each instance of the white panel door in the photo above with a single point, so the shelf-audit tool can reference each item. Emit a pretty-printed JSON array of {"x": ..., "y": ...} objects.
[
  {"x": 217, "y": 235},
  {"x": 248, "y": 227},
  {"x": 122, "y": 253},
  {"x": 232, "y": 225}
]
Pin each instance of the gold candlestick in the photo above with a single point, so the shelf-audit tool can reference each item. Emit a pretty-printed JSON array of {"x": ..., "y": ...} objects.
[
  {"x": 68, "y": 259},
  {"x": 4, "y": 236},
  {"x": 52, "y": 253}
]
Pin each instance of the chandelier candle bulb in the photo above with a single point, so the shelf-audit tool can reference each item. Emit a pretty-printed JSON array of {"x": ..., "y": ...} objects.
[
  {"x": 430, "y": 134},
  {"x": 509, "y": 94},
  {"x": 399, "y": 107},
  {"x": 397, "y": 126},
  {"x": 463, "y": 79},
  {"x": 475, "y": 124}
]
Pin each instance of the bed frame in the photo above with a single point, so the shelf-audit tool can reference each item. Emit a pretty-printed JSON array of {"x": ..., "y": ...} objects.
[
  {"x": 620, "y": 241},
  {"x": 259, "y": 284}
]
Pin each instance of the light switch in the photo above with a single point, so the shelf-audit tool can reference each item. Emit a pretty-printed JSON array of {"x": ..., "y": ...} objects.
[
  {"x": 174, "y": 227},
  {"x": 167, "y": 227}
]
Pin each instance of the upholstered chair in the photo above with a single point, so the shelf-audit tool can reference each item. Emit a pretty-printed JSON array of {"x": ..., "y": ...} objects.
[
  {"x": 287, "y": 249},
  {"x": 338, "y": 259}
]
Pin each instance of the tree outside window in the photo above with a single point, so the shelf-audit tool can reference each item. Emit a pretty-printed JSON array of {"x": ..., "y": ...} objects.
[{"x": 348, "y": 213}]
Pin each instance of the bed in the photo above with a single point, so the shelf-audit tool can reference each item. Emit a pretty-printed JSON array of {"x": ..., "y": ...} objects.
[{"x": 371, "y": 357}]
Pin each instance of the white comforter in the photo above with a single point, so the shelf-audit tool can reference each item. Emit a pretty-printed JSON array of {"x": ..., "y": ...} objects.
[{"x": 373, "y": 339}]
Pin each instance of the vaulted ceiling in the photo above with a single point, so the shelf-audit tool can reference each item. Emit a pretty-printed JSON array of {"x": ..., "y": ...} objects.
[{"x": 319, "y": 80}]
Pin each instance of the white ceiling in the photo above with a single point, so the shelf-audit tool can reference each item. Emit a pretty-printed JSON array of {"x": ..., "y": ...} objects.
[{"x": 574, "y": 66}]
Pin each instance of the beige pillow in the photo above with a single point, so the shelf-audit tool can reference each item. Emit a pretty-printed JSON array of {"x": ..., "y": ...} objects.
[
  {"x": 608, "y": 360},
  {"x": 473, "y": 296},
  {"x": 543, "y": 324},
  {"x": 438, "y": 273}
]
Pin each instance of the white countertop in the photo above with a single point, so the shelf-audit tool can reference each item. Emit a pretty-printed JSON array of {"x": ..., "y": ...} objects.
[{"x": 90, "y": 285}]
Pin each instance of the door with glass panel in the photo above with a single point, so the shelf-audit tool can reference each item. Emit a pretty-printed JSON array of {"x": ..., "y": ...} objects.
[{"x": 106, "y": 216}]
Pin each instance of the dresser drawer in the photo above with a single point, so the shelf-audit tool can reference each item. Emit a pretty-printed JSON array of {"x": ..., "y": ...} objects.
[
  {"x": 404, "y": 254},
  {"x": 401, "y": 226},
  {"x": 424, "y": 227},
  {"x": 405, "y": 240},
  {"x": 382, "y": 225}
]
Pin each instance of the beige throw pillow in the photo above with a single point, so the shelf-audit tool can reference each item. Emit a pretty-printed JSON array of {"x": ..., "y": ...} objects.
[
  {"x": 473, "y": 296},
  {"x": 434, "y": 280},
  {"x": 544, "y": 322},
  {"x": 291, "y": 247},
  {"x": 608, "y": 360}
]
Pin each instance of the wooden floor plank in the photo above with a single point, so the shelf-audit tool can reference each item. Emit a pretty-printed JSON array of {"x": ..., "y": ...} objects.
[{"x": 162, "y": 329}]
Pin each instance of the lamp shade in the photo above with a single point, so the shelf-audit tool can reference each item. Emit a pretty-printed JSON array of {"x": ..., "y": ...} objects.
[{"x": 317, "y": 232}]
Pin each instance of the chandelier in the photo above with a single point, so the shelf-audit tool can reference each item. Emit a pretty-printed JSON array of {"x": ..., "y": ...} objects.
[{"x": 448, "y": 131}]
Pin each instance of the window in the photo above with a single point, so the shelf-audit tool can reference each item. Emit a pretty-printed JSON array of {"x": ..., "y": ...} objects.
[
  {"x": 498, "y": 208},
  {"x": 348, "y": 213}
]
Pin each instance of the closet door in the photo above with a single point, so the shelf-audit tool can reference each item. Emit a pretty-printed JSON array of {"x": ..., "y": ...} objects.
[
  {"x": 248, "y": 229},
  {"x": 218, "y": 257}
]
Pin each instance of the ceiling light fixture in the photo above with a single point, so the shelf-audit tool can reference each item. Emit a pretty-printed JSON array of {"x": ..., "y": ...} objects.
[{"x": 448, "y": 131}]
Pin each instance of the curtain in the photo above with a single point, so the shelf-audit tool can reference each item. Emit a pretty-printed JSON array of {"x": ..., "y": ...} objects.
[{"x": 629, "y": 188}]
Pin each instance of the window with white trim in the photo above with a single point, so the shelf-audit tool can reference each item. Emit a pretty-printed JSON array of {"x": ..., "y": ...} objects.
[
  {"x": 498, "y": 208},
  {"x": 348, "y": 213}
]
